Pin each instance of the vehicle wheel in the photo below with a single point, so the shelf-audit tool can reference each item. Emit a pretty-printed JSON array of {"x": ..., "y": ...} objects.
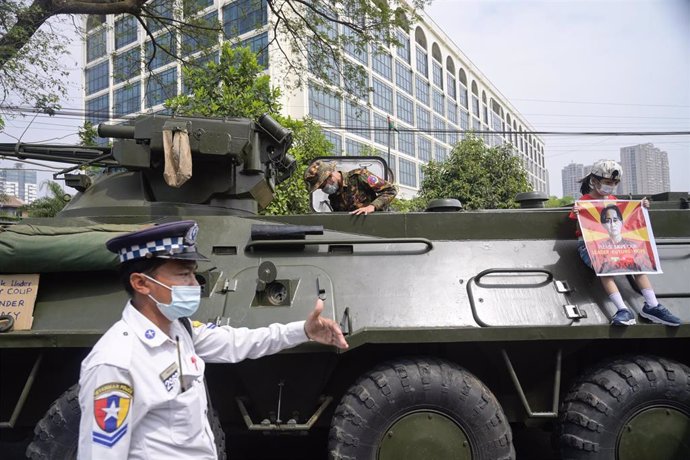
[
  {"x": 634, "y": 408},
  {"x": 56, "y": 435},
  {"x": 419, "y": 409}
]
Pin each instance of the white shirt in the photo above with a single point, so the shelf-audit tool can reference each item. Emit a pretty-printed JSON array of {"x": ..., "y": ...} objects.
[{"x": 132, "y": 403}]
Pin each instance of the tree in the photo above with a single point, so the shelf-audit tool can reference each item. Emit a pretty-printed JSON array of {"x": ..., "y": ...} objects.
[
  {"x": 238, "y": 87},
  {"x": 319, "y": 29},
  {"x": 48, "y": 206},
  {"x": 555, "y": 202},
  {"x": 479, "y": 176}
]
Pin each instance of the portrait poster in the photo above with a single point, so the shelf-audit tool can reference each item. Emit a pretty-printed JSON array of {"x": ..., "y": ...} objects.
[{"x": 618, "y": 237}]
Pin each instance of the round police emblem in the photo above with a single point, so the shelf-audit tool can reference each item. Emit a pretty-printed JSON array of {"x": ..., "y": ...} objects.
[
  {"x": 190, "y": 237},
  {"x": 150, "y": 333}
]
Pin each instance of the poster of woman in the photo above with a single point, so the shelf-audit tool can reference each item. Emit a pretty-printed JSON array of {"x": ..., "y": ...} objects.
[{"x": 618, "y": 237}]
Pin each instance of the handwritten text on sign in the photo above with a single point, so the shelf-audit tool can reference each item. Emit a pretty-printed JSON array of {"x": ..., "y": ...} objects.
[{"x": 17, "y": 299}]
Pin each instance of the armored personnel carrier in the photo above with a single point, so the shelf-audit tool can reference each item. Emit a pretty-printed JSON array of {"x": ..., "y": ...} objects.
[{"x": 464, "y": 327}]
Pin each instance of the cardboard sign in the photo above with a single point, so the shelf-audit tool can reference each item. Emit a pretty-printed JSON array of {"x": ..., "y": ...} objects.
[{"x": 17, "y": 299}]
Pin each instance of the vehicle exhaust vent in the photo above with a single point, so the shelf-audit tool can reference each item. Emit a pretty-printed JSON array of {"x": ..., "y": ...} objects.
[
  {"x": 444, "y": 205},
  {"x": 531, "y": 199}
]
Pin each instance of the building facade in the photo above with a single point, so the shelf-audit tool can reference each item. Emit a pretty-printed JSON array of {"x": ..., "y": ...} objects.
[
  {"x": 426, "y": 87},
  {"x": 645, "y": 170},
  {"x": 19, "y": 183},
  {"x": 570, "y": 179}
]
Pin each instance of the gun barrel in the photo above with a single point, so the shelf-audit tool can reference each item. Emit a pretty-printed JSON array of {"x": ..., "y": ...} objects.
[{"x": 116, "y": 131}]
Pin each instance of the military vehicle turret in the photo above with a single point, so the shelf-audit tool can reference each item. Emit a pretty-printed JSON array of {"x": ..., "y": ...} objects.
[{"x": 465, "y": 328}]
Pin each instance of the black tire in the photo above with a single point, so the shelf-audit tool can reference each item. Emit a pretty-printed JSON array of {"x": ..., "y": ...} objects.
[
  {"x": 601, "y": 415},
  {"x": 56, "y": 436},
  {"x": 454, "y": 400}
]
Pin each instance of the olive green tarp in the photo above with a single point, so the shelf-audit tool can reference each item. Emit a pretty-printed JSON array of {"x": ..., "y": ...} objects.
[{"x": 44, "y": 249}]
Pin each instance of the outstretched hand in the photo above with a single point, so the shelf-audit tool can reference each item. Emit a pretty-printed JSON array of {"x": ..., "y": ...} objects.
[
  {"x": 323, "y": 330},
  {"x": 364, "y": 210}
]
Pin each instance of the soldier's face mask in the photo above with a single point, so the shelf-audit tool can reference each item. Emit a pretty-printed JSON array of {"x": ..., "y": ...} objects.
[
  {"x": 330, "y": 187},
  {"x": 185, "y": 300}
]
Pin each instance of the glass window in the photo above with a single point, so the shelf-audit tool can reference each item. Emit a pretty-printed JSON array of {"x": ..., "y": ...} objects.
[
  {"x": 422, "y": 90},
  {"x": 423, "y": 118},
  {"x": 160, "y": 87},
  {"x": 357, "y": 119},
  {"x": 97, "y": 77},
  {"x": 95, "y": 45},
  {"x": 165, "y": 47},
  {"x": 440, "y": 152},
  {"x": 403, "y": 77},
  {"x": 382, "y": 131},
  {"x": 163, "y": 12},
  {"x": 405, "y": 109},
  {"x": 439, "y": 102},
  {"x": 439, "y": 129},
  {"x": 361, "y": 54},
  {"x": 403, "y": 49},
  {"x": 243, "y": 16},
  {"x": 382, "y": 64},
  {"x": 259, "y": 46},
  {"x": 451, "y": 89},
  {"x": 191, "y": 7},
  {"x": 336, "y": 140},
  {"x": 382, "y": 96},
  {"x": 452, "y": 138},
  {"x": 126, "y": 65},
  {"x": 437, "y": 71},
  {"x": 422, "y": 62},
  {"x": 323, "y": 65},
  {"x": 324, "y": 106},
  {"x": 98, "y": 109},
  {"x": 353, "y": 148},
  {"x": 464, "y": 120},
  {"x": 408, "y": 172},
  {"x": 475, "y": 106},
  {"x": 463, "y": 97},
  {"x": 125, "y": 31},
  {"x": 406, "y": 142},
  {"x": 424, "y": 148},
  {"x": 94, "y": 20},
  {"x": 127, "y": 100},
  {"x": 453, "y": 112},
  {"x": 200, "y": 40}
]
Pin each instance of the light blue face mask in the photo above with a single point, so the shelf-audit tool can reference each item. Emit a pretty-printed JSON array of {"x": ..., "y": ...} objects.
[
  {"x": 185, "y": 301},
  {"x": 330, "y": 189}
]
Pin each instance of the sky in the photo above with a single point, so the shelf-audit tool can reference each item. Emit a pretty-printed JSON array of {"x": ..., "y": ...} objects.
[
  {"x": 584, "y": 65},
  {"x": 565, "y": 65}
]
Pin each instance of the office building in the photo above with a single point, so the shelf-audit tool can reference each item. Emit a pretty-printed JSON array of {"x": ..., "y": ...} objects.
[
  {"x": 570, "y": 179},
  {"x": 430, "y": 90},
  {"x": 19, "y": 183},
  {"x": 645, "y": 170}
]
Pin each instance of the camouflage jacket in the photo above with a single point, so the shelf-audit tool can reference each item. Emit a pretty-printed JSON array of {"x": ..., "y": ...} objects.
[{"x": 362, "y": 188}]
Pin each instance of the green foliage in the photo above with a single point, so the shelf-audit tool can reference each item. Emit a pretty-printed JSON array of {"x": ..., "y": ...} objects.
[
  {"x": 48, "y": 206},
  {"x": 87, "y": 134},
  {"x": 235, "y": 87},
  {"x": 479, "y": 176},
  {"x": 416, "y": 204},
  {"x": 309, "y": 142},
  {"x": 555, "y": 202}
]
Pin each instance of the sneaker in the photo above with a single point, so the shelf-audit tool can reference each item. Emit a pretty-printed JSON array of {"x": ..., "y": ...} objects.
[
  {"x": 623, "y": 317},
  {"x": 659, "y": 314}
]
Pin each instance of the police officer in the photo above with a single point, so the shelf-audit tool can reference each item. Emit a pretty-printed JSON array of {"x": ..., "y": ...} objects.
[
  {"x": 357, "y": 191},
  {"x": 141, "y": 389}
]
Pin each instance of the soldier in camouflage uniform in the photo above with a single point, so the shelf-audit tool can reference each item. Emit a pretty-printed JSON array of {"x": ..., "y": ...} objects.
[{"x": 357, "y": 191}]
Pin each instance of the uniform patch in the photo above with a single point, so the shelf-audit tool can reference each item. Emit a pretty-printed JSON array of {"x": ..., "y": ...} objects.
[
  {"x": 372, "y": 180},
  {"x": 110, "y": 409},
  {"x": 150, "y": 333},
  {"x": 169, "y": 376}
]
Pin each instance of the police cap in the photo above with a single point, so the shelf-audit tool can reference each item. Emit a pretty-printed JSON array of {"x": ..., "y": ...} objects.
[{"x": 172, "y": 240}]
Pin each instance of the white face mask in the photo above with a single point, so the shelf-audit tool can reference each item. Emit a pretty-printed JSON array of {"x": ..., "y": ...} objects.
[
  {"x": 185, "y": 301},
  {"x": 604, "y": 189},
  {"x": 330, "y": 189}
]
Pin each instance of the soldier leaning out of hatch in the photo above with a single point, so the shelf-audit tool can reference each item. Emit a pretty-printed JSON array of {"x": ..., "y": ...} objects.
[
  {"x": 357, "y": 191},
  {"x": 141, "y": 389}
]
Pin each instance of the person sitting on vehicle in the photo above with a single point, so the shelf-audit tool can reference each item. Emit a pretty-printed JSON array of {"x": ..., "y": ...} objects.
[
  {"x": 358, "y": 191},
  {"x": 141, "y": 390},
  {"x": 600, "y": 184}
]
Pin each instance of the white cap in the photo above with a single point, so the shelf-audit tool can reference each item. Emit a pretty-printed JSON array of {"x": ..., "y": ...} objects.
[{"x": 607, "y": 169}]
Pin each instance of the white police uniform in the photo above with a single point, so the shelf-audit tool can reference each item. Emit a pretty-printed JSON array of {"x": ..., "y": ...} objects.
[{"x": 134, "y": 403}]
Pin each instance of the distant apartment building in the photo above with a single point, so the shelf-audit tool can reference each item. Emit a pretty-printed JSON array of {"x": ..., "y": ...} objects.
[
  {"x": 570, "y": 179},
  {"x": 426, "y": 86},
  {"x": 19, "y": 183},
  {"x": 645, "y": 170}
]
